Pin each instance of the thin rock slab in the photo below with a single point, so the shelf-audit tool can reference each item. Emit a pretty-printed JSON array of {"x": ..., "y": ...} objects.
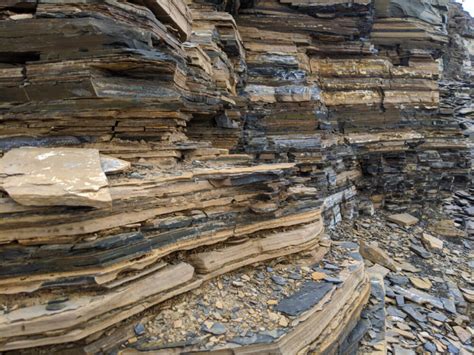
[
  {"x": 419, "y": 297},
  {"x": 403, "y": 219},
  {"x": 431, "y": 242},
  {"x": 309, "y": 295},
  {"x": 420, "y": 251},
  {"x": 55, "y": 177}
]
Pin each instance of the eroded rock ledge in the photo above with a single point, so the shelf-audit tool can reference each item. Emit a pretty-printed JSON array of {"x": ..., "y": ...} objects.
[{"x": 206, "y": 136}]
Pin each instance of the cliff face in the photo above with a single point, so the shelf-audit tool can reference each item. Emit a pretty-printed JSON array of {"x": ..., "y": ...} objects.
[
  {"x": 249, "y": 122},
  {"x": 457, "y": 78}
]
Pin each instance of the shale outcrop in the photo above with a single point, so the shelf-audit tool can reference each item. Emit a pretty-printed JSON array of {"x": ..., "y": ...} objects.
[{"x": 149, "y": 147}]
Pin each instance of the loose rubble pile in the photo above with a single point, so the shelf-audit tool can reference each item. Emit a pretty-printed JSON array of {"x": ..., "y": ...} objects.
[
  {"x": 422, "y": 285},
  {"x": 456, "y": 88},
  {"x": 148, "y": 147},
  {"x": 461, "y": 208},
  {"x": 285, "y": 307}
]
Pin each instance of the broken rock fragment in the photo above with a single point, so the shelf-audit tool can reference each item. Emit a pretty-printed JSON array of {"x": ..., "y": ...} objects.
[
  {"x": 55, "y": 177},
  {"x": 373, "y": 253},
  {"x": 403, "y": 219},
  {"x": 431, "y": 242},
  {"x": 446, "y": 228},
  {"x": 421, "y": 283},
  {"x": 111, "y": 165}
]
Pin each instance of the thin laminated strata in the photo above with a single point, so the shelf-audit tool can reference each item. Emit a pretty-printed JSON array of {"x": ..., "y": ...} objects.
[{"x": 246, "y": 127}]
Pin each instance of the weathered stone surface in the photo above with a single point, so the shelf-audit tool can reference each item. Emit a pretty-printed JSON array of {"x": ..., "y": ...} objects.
[
  {"x": 423, "y": 284},
  {"x": 446, "y": 228},
  {"x": 399, "y": 350},
  {"x": 431, "y": 242},
  {"x": 427, "y": 311},
  {"x": 403, "y": 219},
  {"x": 419, "y": 297},
  {"x": 318, "y": 276},
  {"x": 468, "y": 294},
  {"x": 424, "y": 10},
  {"x": 378, "y": 269},
  {"x": 420, "y": 251},
  {"x": 462, "y": 334},
  {"x": 305, "y": 298},
  {"x": 215, "y": 329},
  {"x": 55, "y": 177},
  {"x": 112, "y": 165},
  {"x": 375, "y": 254}
]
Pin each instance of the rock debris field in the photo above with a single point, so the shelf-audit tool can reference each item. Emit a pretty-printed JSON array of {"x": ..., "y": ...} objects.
[
  {"x": 236, "y": 177},
  {"x": 421, "y": 272}
]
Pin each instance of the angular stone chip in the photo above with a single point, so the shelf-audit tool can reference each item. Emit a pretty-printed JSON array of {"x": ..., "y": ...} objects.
[{"x": 403, "y": 219}]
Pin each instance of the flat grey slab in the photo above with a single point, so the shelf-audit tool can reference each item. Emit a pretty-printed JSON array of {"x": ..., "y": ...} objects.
[{"x": 308, "y": 295}]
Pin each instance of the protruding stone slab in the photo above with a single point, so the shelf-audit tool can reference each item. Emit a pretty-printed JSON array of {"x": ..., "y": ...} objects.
[
  {"x": 55, "y": 177},
  {"x": 421, "y": 9},
  {"x": 403, "y": 219}
]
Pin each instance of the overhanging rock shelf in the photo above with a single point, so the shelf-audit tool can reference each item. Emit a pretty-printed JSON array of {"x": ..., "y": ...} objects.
[{"x": 215, "y": 135}]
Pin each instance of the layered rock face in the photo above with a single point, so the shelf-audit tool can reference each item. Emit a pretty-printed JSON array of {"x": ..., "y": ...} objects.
[
  {"x": 456, "y": 90},
  {"x": 250, "y": 125}
]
